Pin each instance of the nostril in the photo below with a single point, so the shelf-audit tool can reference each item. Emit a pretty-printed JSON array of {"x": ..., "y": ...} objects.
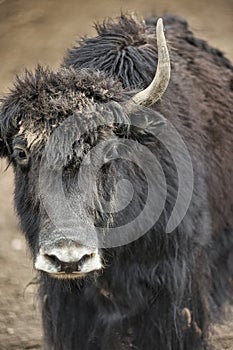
[
  {"x": 84, "y": 258},
  {"x": 53, "y": 259}
]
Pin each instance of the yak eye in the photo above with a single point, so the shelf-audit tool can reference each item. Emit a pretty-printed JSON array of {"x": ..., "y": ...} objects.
[{"x": 21, "y": 155}]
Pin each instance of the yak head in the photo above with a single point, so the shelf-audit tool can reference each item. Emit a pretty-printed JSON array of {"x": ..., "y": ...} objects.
[{"x": 72, "y": 137}]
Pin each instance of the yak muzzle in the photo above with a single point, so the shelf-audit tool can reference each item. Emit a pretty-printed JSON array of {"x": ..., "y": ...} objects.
[{"x": 67, "y": 259}]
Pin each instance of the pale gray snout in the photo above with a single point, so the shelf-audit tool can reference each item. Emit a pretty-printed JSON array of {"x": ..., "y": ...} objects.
[{"x": 67, "y": 258}]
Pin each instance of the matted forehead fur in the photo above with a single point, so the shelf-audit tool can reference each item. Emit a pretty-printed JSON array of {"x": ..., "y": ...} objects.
[{"x": 41, "y": 101}]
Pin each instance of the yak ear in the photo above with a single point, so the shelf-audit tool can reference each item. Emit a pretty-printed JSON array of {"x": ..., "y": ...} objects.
[
  {"x": 2, "y": 143},
  {"x": 3, "y": 146},
  {"x": 147, "y": 122}
]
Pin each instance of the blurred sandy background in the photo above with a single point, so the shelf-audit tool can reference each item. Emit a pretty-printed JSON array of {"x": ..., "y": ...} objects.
[{"x": 34, "y": 32}]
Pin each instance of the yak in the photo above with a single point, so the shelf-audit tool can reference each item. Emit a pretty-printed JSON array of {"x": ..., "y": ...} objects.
[{"x": 129, "y": 121}]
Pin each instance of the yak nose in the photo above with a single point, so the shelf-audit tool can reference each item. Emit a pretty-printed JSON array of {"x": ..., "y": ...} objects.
[
  {"x": 68, "y": 258},
  {"x": 68, "y": 267}
]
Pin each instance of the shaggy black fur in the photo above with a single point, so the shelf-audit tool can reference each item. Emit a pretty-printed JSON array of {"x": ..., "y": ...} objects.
[{"x": 149, "y": 284}]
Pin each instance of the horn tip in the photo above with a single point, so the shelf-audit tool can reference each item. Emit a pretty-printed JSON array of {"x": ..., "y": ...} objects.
[{"x": 159, "y": 24}]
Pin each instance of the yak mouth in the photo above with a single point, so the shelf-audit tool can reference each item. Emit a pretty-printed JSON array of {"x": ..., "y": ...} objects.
[
  {"x": 72, "y": 275},
  {"x": 75, "y": 274}
]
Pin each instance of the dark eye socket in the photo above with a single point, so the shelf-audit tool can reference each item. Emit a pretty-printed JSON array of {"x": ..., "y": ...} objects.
[{"x": 21, "y": 155}]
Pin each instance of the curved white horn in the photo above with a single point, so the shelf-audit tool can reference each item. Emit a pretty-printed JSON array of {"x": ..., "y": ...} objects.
[{"x": 160, "y": 82}]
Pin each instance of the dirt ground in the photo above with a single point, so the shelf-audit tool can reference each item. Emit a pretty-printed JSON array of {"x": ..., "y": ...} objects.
[{"x": 40, "y": 31}]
